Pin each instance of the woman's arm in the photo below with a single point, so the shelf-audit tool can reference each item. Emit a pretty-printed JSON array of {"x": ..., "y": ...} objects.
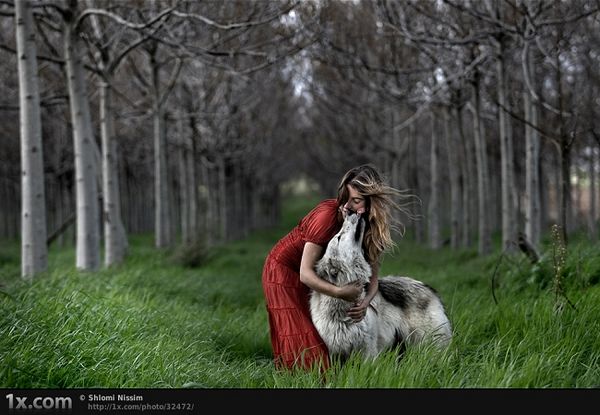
[
  {"x": 311, "y": 254},
  {"x": 373, "y": 283}
]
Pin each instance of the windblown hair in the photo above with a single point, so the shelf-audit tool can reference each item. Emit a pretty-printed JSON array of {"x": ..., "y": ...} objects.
[{"x": 381, "y": 200}]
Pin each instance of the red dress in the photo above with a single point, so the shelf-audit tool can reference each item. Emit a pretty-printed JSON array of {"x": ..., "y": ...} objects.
[{"x": 294, "y": 338}]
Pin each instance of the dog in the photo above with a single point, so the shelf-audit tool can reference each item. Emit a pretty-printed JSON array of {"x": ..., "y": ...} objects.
[{"x": 403, "y": 312}]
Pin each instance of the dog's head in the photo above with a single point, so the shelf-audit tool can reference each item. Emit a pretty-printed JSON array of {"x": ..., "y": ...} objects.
[
  {"x": 343, "y": 260},
  {"x": 347, "y": 243}
]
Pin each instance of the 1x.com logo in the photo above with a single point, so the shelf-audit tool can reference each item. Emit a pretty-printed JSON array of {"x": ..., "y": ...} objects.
[{"x": 48, "y": 402}]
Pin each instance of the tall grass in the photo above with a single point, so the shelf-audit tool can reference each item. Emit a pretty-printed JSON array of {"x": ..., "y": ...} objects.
[{"x": 152, "y": 322}]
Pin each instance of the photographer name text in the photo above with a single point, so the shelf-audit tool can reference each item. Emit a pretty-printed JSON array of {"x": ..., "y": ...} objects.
[{"x": 115, "y": 398}]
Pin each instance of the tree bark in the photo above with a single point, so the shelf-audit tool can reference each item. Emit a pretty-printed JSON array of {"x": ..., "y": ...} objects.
[
  {"x": 507, "y": 185},
  {"x": 532, "y": 170},
  {"x": 483, "y": 187},
  {"x": 222, "y": 197},
  {"x": 413, "y": 180},
  {"x": 192, "y": 189},
  {"x": 564, "y": 154},
  {"x": 183, "y": 182},
  {"x": 592, "y": 226},
  {"x": 454, "y": 173},
  {"x": 468, "y": 173},
  {"x": 34, "y": 253},
  {"x": 435, "y": 240},
  {"x": 161, "y": 180},
  {"x": 114, "y": 235},
  {"x": 88, "y": 235}
]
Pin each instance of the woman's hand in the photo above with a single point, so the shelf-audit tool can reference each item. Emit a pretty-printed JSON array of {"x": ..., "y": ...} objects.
[
  {"x": 350, "y": 292},
  {"x": 359, "y": 311}
]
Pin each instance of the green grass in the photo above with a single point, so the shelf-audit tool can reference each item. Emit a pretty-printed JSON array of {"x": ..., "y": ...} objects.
[{"x": 154, "y": 323}]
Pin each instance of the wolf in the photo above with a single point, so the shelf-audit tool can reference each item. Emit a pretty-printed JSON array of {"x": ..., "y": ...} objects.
[{"x": 404, "y": 311}]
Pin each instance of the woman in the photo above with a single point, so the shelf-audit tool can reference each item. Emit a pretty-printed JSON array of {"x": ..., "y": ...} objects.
[{"x": 289, "y": 270}]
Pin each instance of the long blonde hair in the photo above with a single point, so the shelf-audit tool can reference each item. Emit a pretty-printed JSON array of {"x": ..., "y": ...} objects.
[{"x": 380, "y": 201}]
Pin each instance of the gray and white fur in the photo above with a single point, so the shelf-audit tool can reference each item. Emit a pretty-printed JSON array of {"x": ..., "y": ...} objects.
[{"x": 403, "y": 312}]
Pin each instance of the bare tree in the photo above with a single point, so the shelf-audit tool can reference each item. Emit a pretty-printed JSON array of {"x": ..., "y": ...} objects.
[
  {"x": 483, "y": 180},
  {"x": 34, "y": 257},
  {"x": 435, "y": 240},
  {"x": 110, "y": 52},
  {"x": 88, "y": 232}
]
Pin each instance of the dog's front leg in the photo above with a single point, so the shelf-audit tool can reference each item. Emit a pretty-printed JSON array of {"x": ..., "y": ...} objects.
[{"x": 371, "y": 349}]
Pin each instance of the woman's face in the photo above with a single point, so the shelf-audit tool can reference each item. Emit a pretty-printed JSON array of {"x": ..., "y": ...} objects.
[{"x": 356, "y": 202}]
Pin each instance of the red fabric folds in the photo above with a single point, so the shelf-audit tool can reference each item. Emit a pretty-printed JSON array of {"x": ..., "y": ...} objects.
[{"x": 295, "y": 341}]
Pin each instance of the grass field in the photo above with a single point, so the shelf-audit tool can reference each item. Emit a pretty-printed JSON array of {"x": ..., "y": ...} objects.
[{"x": 152, "y": 322}]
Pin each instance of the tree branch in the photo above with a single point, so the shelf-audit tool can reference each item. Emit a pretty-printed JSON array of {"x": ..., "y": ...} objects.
[
  {"x": 138, "y": 26},
  {"x": 231, "y": 26}
]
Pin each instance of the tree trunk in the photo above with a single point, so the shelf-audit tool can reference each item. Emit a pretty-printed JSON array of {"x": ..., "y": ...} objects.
[
  {"x": 592, "y": 228},
  {"x": 61, "y": 213},
  {"x": 88, "y": 233},
  {"x": 161, "y": 177},
  {"x": 532, "y": 170},
  {"x": 468, "y": 181},
  {"x": 183, "y": 182},
  {"x": 115, "y": 236},
  {"x": 507, "y": 185},
  {"x": 454, "y": 173},
  {"x": 114, "y": 244},
  {"x": 34, "y": 253},
  {"x": 565, "y": 189},
  {"x": 435, "y": 240},
  {"x": 238, "y": 219},
  {"x": 485, "y": 238},
  {"x": 564, "y": 153},
  {"x": 192, "y": 189},
  {"x": 222, "y": 196},
  {"x": 209, "y": 202},
  {"x": 413, "y": 180}
]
